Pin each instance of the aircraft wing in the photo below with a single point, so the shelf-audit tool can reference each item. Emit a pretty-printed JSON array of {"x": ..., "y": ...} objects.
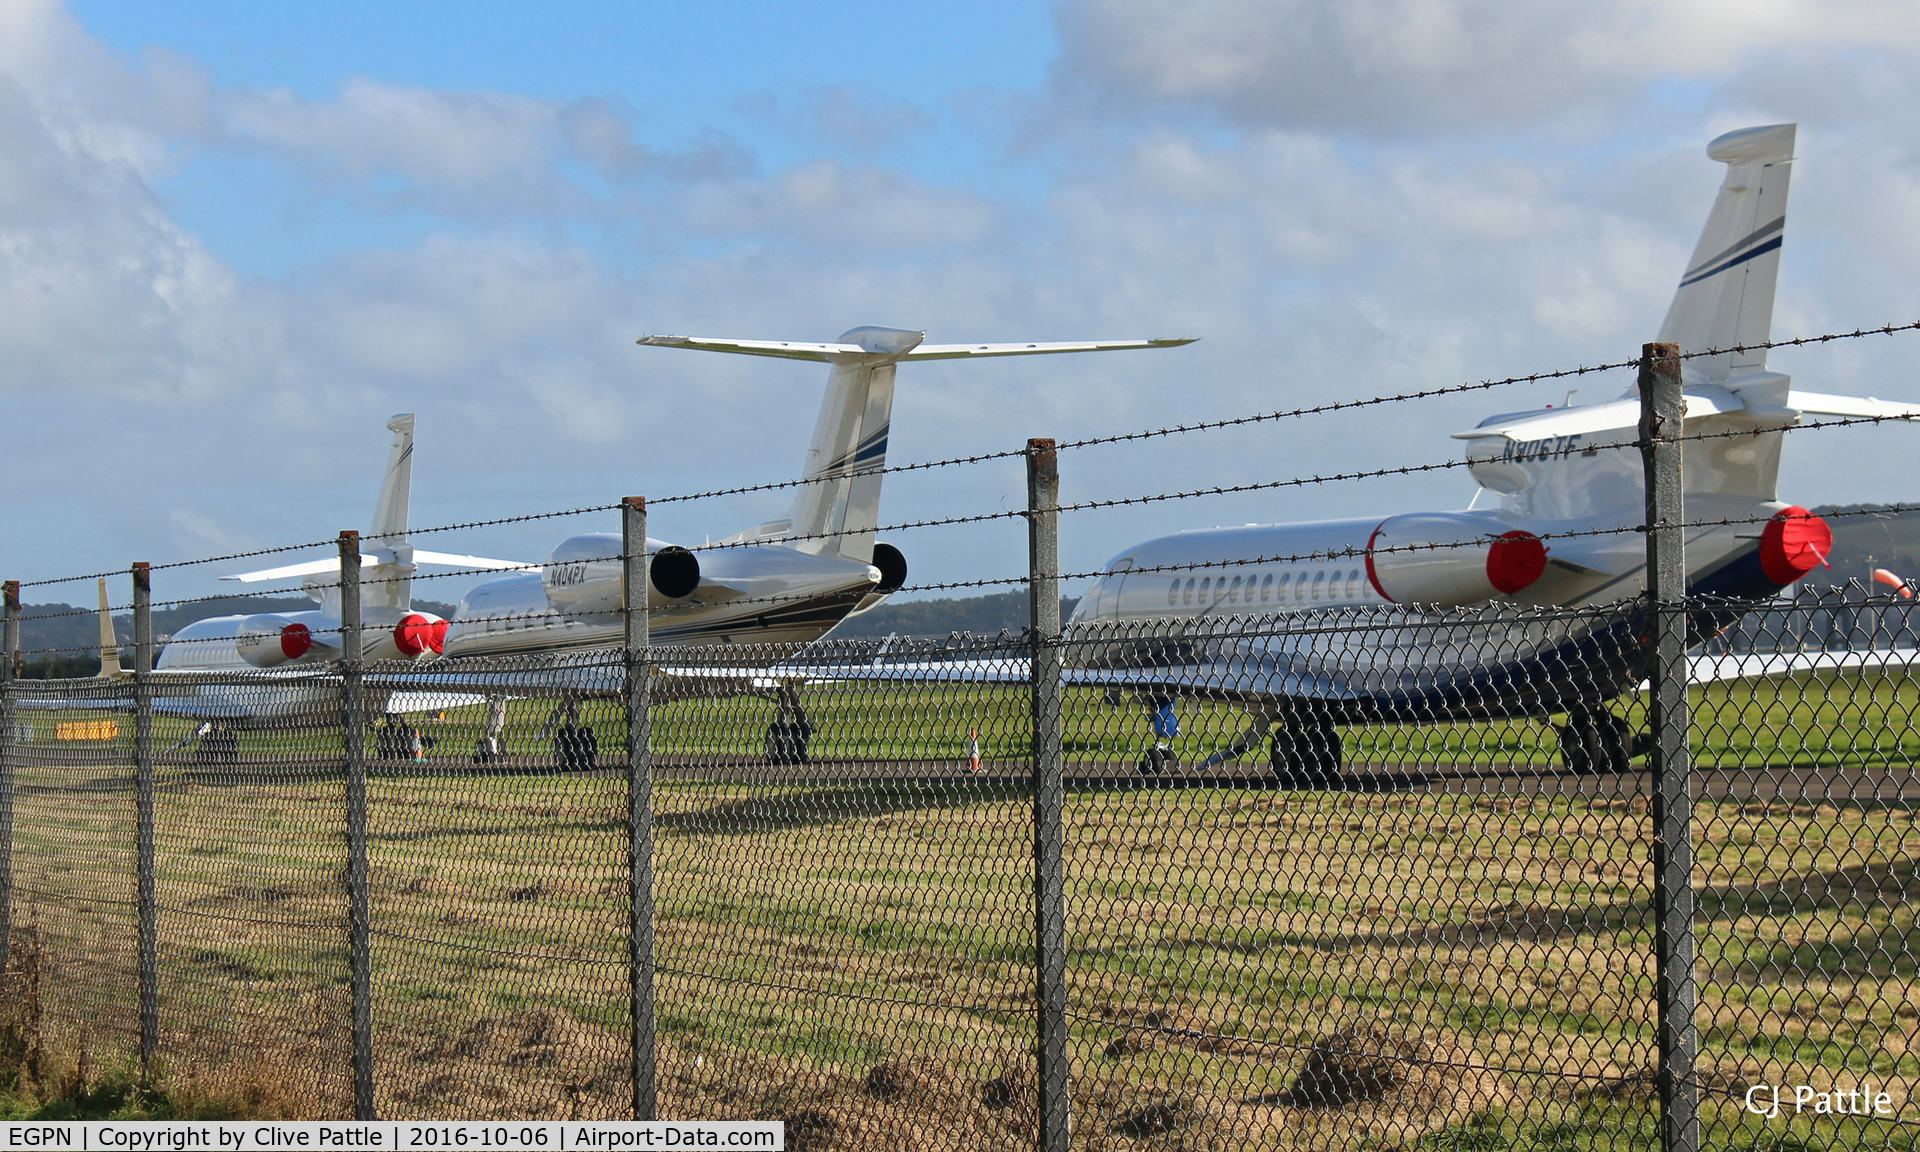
[{"x": 1751, "y": 665}]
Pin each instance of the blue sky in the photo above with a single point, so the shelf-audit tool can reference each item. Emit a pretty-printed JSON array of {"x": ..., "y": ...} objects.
[{"x": 235, "y": 238}]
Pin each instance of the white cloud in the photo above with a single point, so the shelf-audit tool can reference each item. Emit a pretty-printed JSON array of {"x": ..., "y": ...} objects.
[
  {"x": 1405, "y": 66},
  {"x": 1323, "y": 246}
]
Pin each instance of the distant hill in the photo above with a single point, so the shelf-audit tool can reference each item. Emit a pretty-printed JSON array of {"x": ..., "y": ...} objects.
[
  {"x": 77, "y": 629},
  {"x": 980, "y": 615}
]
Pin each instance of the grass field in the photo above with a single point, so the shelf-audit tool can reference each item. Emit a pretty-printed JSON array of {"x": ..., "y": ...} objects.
[{"x": 853, "y": 956}]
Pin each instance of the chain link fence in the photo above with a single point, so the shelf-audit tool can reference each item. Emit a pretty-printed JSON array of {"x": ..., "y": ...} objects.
[{"x": 1334, "y": 876}]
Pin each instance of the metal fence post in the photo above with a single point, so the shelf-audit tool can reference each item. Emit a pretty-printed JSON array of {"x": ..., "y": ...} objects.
[
  {"x": 1049, "y": 794},
  {"x": 1662, "y": 423},
  {"x": 354, "y": 750},
  {"x": 9, "y": 664},
  {"x": 143, "y": 815},
  {"x": 633, "y": 512}
]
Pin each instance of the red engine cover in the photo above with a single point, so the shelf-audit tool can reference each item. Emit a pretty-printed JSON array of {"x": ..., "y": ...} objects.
[
  {"x": 296, "y": 640},
  {"x": 1515, "y": 561},
  {"x": 1794, "y": 543},
  {"x": 416, "y": 634}
]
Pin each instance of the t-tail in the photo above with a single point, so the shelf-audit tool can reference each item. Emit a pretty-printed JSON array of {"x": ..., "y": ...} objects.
[
  {"x": 1579, "y": 462},
  {"x": 1725, "y": 300},
  {"x": 837, "y": 508}
]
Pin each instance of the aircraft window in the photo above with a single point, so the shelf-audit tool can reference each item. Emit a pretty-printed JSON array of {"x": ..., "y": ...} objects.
[
  {"x": 1203, "y": 590},
  {"x": 1173, "y": 593},
  {"x": 1266, "y": 588},
  {"x": 1319, "y": 582},
  {"x": 1233, "y": 591},
  {"x": 1353, "y": 584},
  {"x": 1188, "y": 598}
]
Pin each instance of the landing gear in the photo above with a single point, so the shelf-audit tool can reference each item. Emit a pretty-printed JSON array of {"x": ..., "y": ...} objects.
[
  {"x": 1306, "y": 752},
  {"x": 576, "y": 747},
  {"x": 1595, "y": 742},
  {"x": 1158, "y": 760},
  {"x": 487, "y": 749},
  {"x": 787, "y": 736},
  {"x": 1166, "y": 728}
]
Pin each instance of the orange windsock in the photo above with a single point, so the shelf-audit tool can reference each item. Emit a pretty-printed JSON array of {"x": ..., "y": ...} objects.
[
  {"x": 1886, "y": 577},
  {"x": 973, "y": 749}
]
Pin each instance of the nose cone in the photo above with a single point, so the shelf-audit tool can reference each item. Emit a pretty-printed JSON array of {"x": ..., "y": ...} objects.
[{"x": 883, "y": 341}]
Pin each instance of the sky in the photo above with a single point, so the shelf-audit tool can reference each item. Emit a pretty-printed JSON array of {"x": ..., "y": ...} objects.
[{"x": 235, "y": 238}]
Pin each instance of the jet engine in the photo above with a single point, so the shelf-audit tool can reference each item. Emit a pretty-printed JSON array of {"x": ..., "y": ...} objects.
[
  {"x": 1451, "y": 559},
  {"x": 892, "y": 566},
  {"x": 583, "y": 576},
  {"x": 273, "y": 639}
]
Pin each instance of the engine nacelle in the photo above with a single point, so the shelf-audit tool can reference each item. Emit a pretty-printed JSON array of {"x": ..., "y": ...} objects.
[
  {"x": 1451, "y": 559},
  {"x": 273, "y": 639},
  {"x": 584, "y": 575}
]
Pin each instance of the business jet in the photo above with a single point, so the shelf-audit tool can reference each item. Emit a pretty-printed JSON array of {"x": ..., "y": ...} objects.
[
  {"x": 786, "y": 581},
  {"x": 1568, "y": 484}
]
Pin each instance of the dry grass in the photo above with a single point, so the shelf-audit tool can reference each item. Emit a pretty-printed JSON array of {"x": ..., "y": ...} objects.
[{"x": 854, "y": 958}]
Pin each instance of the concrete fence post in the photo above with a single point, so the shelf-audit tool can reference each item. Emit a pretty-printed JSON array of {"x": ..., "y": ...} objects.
[
  {"x": 354, "y": 761},
  {"x": 143, "y": 816},
  {"x": 639, "y": 661},
  {"x": 9, "y": 735},
  {"x": 1662, "y": 425},
  {"x": 1049, "y": 794}
]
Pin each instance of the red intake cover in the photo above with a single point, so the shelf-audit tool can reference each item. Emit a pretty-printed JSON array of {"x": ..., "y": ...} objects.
[
  {"x": 416, "y": 634},
  {"x": 296, "y": 640},
  {"x": 1794, "y": 543},
  {"x": 1515, "y": 561}
]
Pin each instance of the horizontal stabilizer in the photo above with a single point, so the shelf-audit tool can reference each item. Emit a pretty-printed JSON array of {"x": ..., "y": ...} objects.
[
  {"x": 1823, "y": 404},
  {"x": 833, "y": 353},
  {"x": 372, "y": 559},
  {"x": 1702, "y": 400}
]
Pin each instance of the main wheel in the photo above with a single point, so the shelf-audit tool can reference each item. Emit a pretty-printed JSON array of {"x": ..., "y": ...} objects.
[
  {"x": 787, "y": 742},
  {"x": 1158, "y": 760},
  {"x": 1594, "y": 743},
  {"x": 1306, "y": 752}
]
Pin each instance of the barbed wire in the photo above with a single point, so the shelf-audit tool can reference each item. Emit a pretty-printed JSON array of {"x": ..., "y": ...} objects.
[
  {"x": 1287, "y": 414},
  {"x": 1169, "y": 430}
]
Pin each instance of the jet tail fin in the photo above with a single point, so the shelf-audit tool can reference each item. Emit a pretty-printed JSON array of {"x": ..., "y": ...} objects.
[
  {"x": 837, "y": 510},
  {"x": 396, "y": 487},
  {"x": 1725, "y": 298},
  {"x": 109, "y": 642}
]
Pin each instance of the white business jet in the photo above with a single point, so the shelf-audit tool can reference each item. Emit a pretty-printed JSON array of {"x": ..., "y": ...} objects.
[{"x": 1569, "y": 490}]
